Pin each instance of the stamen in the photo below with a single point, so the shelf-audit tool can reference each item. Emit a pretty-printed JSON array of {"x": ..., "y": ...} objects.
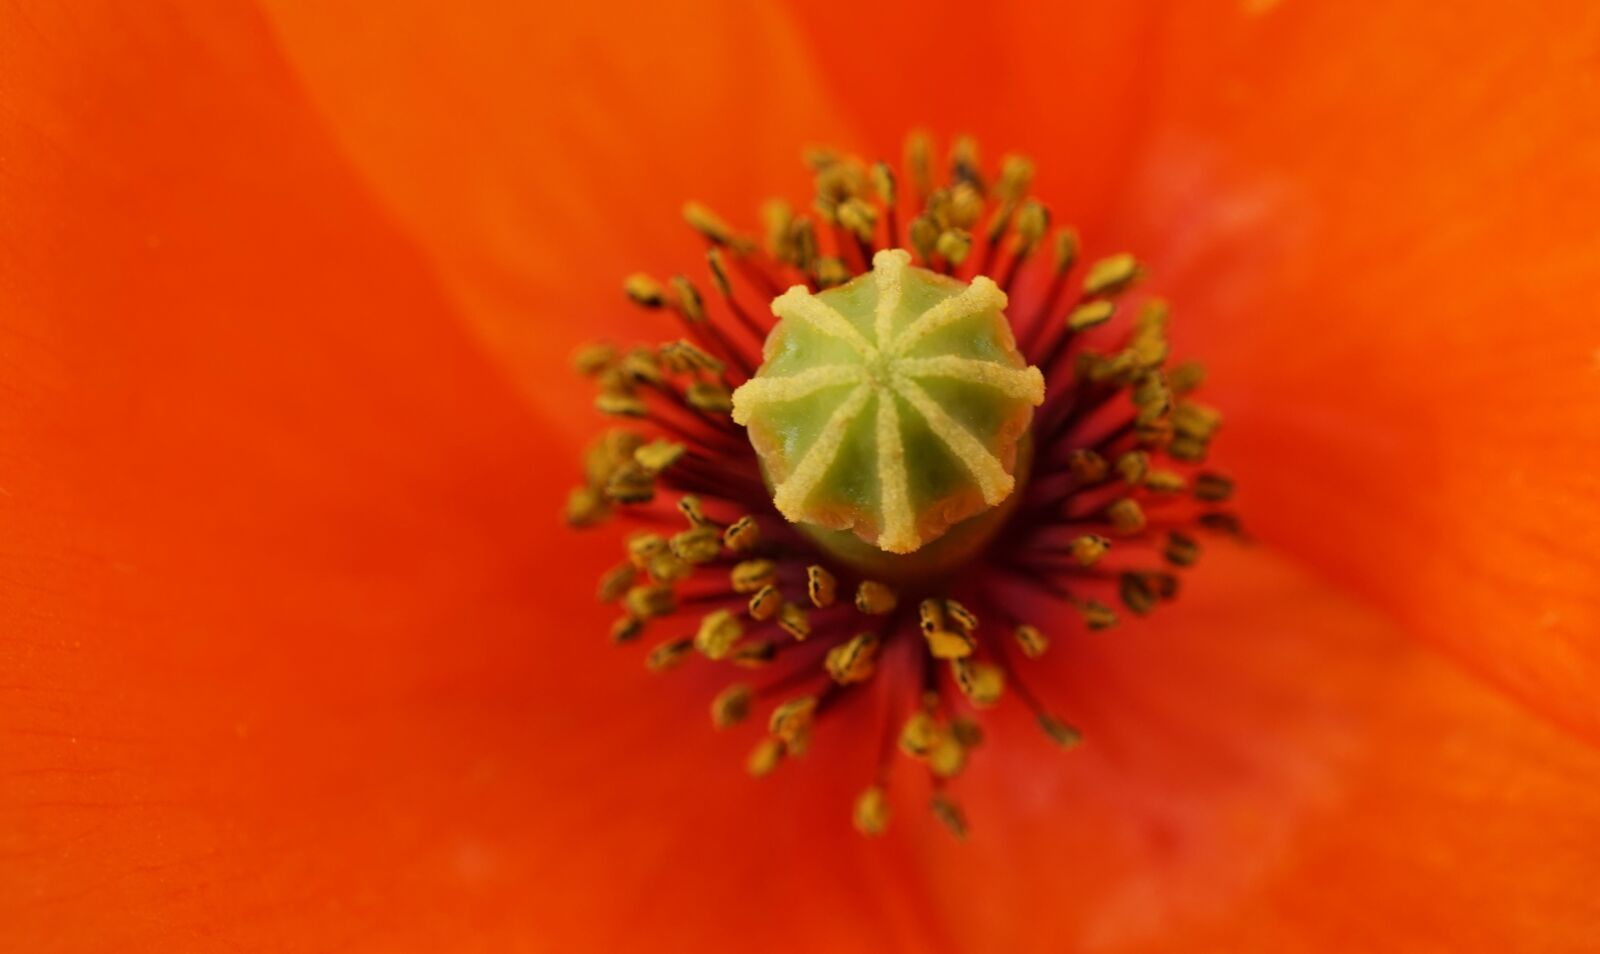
[
  {"x": 900, "y": 438},
  {"x": 871, "y": 814}
]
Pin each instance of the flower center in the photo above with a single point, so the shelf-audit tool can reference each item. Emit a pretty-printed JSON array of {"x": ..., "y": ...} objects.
[{"x": 898, "y": 485}]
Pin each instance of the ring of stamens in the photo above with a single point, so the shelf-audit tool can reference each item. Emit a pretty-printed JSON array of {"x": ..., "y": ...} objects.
[{"x": 1113, "y": 511}]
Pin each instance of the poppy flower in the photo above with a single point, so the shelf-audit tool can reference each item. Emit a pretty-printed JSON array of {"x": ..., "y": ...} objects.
[{"x": 297, "y": 656}]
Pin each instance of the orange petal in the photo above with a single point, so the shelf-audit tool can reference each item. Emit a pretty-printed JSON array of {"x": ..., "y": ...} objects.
[
  {"x": 1060, "y": 83},
  {"x": 540, "y": 153},
  {"x": 1379, "y": 232},
  {"x": 261, "y": 492},
  {"x": 294, "y": 657},
  {"x": 1268, "y": 767}
]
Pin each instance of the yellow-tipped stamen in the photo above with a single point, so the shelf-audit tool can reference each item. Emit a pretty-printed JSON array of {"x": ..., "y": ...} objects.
[{"x": 731, "y": 706}]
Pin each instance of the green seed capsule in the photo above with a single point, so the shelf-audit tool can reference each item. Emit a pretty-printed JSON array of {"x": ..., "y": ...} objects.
[{"x": 893, "y": 406}]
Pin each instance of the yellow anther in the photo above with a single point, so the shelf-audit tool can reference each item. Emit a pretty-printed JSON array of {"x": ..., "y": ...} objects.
[
  {"x": 1066, "y": 250},
  {"x": 875, "y": 599},
  {"x": 949, "y": 814},
  {"x": 686, "y": 299},
  {"x": 946, "y": 638},
  {"x": 859, "y": 218},
  {"x": 1090, "y": 314},
  {"x": 1110, "y": 274},
  {"x": 586, "y": 507},
  {"x": 1150, "y": 398},
  {"x": 791, "y": 720},
  {"x": 709, "y": 396},
  {"x": 644, "y": 291},
  {"x": 1089, "y": 548},
  {"x": 1102, "y": 369},
  {"x": 626, "y": 629},
  {"x": 919, "y": 162},
  {"x": 764, "y": 758},
  {"x": 871, "y": 812},
  {"x": 1132, "y": 467},
  {"x": 1016, "y": 174},
  {"x": 615, "y": 582},
  {"x": 631, "y": 484},
  {"x": 1212, "y": 488},
  {"x": 681, "y": 357},
  {"x": 1149, "y": 342},
  {"x": 1032, "y": 642},
  {"x": 954, "y": 245},
  {"x": 794, "y": 621},
  {"x": 751, "y": 575},
  {"x": 1033, "y": 221},
  {"x": 649, "y": 601},
  {"x": 1195, "y": 420},
  {"x": 693, "y": 511},
  {"x": 821, "y": 586},
  {"x": 643, "y": 546},
  {"x": 948, "y": 644},
  {"x": 657, "y": 456},
  {"x": 1186, "y": 377},
  {"x": 1126, "y": 516},
  {"x": 853, "y": 660},
  {"x": 1136, "y": 592},
  {"x": 613, "y": 449},
  {"x": 981, "y": 682},
  {"x": 1059, "y": 732},
  {"x": 919, "y": 734},
  {"x": 883, "y": 183},
  {"x": 591, "y": 359},
  {"x": 961, "y": 616},
  {"x": 944, "y": 634},
  {"x": 620, "y": 404},
  {"x": 640, "y": 366},
  {"x": 1165, "y": 482},
  {"x": 1181, "y": 549},
  {"x": 742, "y": 535},
  {"x": 731, "y": 706},
  {"x": 719, "y": 630},
  {"x": 713, "y": 228},
  {"x": 669, "y": 654},
  {"x": 1098, "y": 615},
  {"x": 668, "y": 568},
  {"x": 697, "y": 545},
  {"x": 839, "y": 181},
  {"x": 947, "y": 757},
  {"x": 1188, "y": 449},
  {"x": 765, "y": 603}
]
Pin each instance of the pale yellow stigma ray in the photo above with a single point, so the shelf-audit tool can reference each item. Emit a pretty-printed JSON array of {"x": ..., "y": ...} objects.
[
  {"x": 1024, "y": 383},
  {"x": 760, "y": 392},
  {"x": 993, "y": 481},
  {"x": 790, "y": 496},
  {"x": 801, "y": 305},
  {"x": 981, "y": 295},
  {"x": 888, "y": 270},
  {"x": 899, "y": 534}
]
